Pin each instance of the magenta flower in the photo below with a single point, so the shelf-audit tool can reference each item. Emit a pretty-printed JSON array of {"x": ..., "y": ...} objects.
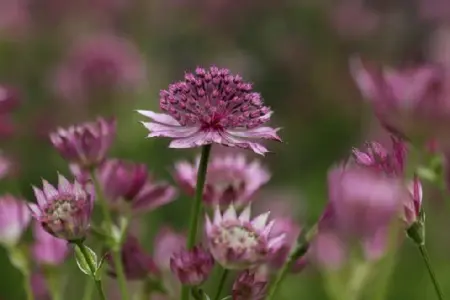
[
  {"x": 128, "y": 181},
  {"x": 413, "y": 204},
  {"x": 64, "y": 212},
  {"x": 248, "y": 286},
  {"x": 229, "y": 179},
  {"x": 238, "y": 243},
  {"x": 85, "y": 144},
  {"x": 48, "y": 250},
  {"x": 136, "y": 262},
  {"x": 192, "y": 267},
  {"x": 99, "y": 65},
  {"x": 211, "y": 106},
  {"x": 14, "y": 219},
  {"x": 407, "y": 102},
  {"x": 167, "y": 242}
]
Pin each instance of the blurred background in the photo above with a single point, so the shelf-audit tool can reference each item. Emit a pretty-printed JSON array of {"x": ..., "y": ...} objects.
[{"x": 69, "y": 61}]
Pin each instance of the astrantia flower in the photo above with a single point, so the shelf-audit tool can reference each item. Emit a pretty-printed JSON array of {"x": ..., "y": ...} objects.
[
  {"x": 14, "y": 219},
  {"x": 167, "y": 242},
  {"x": 413, "y": 204},
  {"x": 136, "y": 262},
  {"x": 248, "y": 286},
  {"x": 64, "y": 212},
  {"x": 229, "y": 179},
  {"x": 407, "y": 102},
  {"x": 85, "y": 144},
  {"x": 192, "y": 267},
  {"x": 128, "y": 181},
  {"x": 238, "y": 243},
  {"x": 48, "y": 250},
  {"x": 211, "y": 106}
]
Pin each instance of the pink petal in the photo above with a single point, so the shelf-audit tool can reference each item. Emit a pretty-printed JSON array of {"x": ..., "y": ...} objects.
[
  {"x": 160, "y": 118},
  {"x": 35, "y": 211},
  {"x": 157, "y": 130},
  {"x": 40, "y": 197},
  {"x": 152, "y": 197},
  {"x": 258, "y": 133}
]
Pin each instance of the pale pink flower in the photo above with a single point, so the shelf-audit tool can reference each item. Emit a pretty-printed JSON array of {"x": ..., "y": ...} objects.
[
  {"x": 167, "y": 242},
  {"x": 192, "y": 267},
  {"x": 248, "y": 286},
  {"x": 47, "y": 249},
  {"x": 14, "y": 219}
]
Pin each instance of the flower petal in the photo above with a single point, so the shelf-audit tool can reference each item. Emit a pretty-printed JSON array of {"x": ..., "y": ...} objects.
[
  {"x": 161, "y": 130},
  {"x": 160, "y": 118},
  {"x": 153, "y": 196},
  {"x": 40, "y": 196},
  {"x": 258, "y": 133}
]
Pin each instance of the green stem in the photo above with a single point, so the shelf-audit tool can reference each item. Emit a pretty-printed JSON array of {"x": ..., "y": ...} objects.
[
  {"x": 92, "y": 268},
  {"x": 27, "y": 286},
  {"x": 299, "y": 251},
  {"x": 115, "y": 252},
  {"x": 196, "y": 207},
  {"x": 88, "y": 290},
  {"x": 223, "y": 279},
  {"x": 52, "y": 278},
  {"x": 426, "y": 259}
]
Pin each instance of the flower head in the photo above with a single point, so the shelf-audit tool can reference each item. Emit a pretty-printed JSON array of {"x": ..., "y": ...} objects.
[
  {"x": 238, "y": 243},
  {"x": 136, "y": 262},
  {"x": 48, "y": 250},
  {"x": 413, "y": 204},
  {"x": 64, "y": 212},
  {"x": 167, "y": 242},
  {"x": 192, "y": 267},
  {"x": 131, "y": 182},
  {"x": 85, "y": 144},
  {"x": 229, "y": 179},
  {"x": 248, "y": 286},
  {"x": 14, "y": 219},
  {"x": 211, "y": 106}
]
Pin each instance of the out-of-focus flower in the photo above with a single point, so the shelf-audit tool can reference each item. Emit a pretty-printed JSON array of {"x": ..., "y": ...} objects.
[
  {"x": 9, "y": 99},
  {"x": 99, "y": 65},
  {"x": 192, "y": 267},
  {"x": 39, "y": 287},
  {"x": 413, "y": 204},
  {"x": 230, "y": 179},
  {"x": 14, "y": 18},
  {"x": 248, "y": 286},
  {"x": 167, "y": 242},
  {"x": 86, "y": 144},
  {"x": 328, "y": 250},
  {"x": 136, "y": 262},
  {"x": 238, "y": 243},
  {"x": 407, "y": 102},
  {"x": 64, "y": 212},
  {"x": 212, "y": 106},
  {"x": 291, "y": 230},
  {"x": 435, "y": 10},
  {"x": 128, "y": 181},
  {"x": 6, "y": 166},
  {"x": 14, "y": 219},
  {"x": 48, "y": 250}
]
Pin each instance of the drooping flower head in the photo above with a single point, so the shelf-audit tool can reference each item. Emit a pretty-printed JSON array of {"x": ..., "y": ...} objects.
[
  {"x": 167, "y": 242},
  {"x": 230, "y": 179},
  {"x": 14, "y": 219},
  {"x": 85, "y": 144},
  {"x": 64, "y": 212},
  {"x": 192, "y": 267},
  {"x": 236, "y": 242},
  {"x": 131, "y": 182},
  {"x": 212, "y": 106},
  {"x": 47, "y": 249},
  {"x": 407, "y": 102},
  {"x": 248, "y": 286},
  {"x": 136, "y": 262}
]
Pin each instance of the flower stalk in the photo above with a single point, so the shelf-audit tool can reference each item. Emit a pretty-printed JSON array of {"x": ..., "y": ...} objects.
[
  {"x": 223, "y": 279},
  {"x": 426, "y": 259}
]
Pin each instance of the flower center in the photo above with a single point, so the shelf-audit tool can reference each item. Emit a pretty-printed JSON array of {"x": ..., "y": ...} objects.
[
  {"x": 63, "y": 208},
  {"x": 238, "y": 237}
]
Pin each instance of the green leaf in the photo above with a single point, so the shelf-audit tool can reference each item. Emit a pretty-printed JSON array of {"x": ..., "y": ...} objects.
[
  {"x": 81, "y": 259},
  {"x": 19, "y": 259}
]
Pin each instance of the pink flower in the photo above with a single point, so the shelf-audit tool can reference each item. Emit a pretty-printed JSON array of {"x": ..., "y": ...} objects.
[
  {"x": 407, "y": 102},
  {"x": 211, "y": 106},
  {"x": 48, "y": 250},
  {"x": 238, "y": 243},
  {"x": 14, "y": 219},
  {"x": 167, "y": 242},
  {"x": 64, "y": 212},
  {"x": 131, "y": 182},
  {"x": 229, "y": 179},
  {"x": 85, "y": 144},
  {"x": 9, "y": 99},
  {"x": 413, "y": 204},
  {"x": 14, "y": 18},
  {"x": 99, "y": 65},
  {"x": 192, "y": 267},
  {"x": 247, "y": 286},
  {"x": 136, "y": 262}
]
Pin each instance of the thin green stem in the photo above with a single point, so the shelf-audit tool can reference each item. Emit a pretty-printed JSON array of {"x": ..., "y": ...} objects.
[
  {"x": 426, "y": 259},
  {"x": 115, "y": 252},
  {"x": 52, "y": 279},
  {"x": 92, "y": 268},
  {"x": 196, "y": 207},
  {"x": 89, "y": 288},
  {"x": 27, "y": 286},
  {"x": 223, "y": 279}
]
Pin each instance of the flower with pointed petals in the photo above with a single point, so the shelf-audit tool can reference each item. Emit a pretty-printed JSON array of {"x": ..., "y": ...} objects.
[
  {"x": 413, "y": 204},
  {"x": 192, "y": 267},
  {"x": 14, "y": 219},
  {"x": 128, "y": 181},
  {"x": 212, "y": 106},
  {"x": 48, "y": 250},
  {"x": 407, "y": 102},
  {"x": 236, "y": 242},
  {"x": 64, "y": 212},
  {"x": 248, "y": 286},
  {"x": 167, "y": 242},
  {"x": 85, "y": 144},
  {"x": 136, "y": 262},
  {"x": 229, "y": 179}
]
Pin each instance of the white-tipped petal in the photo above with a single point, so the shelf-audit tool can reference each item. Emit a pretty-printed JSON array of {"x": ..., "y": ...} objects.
[
  {"x": 260, "y": 221},
  {"x": 277, "y": 242},
  {"x": 49, "y": 190},
  {"x": 217, "y": 215},
  {"x": 268, "y": 229},
  {"x": 64, "y": 185},
  {"x": 245, "y": 214},
  {"x": 208, "y": 225},
  {"x": 35, "y": 211},
  {"x": 230, "y": 213},
  {"x": 40, "y": 196}
]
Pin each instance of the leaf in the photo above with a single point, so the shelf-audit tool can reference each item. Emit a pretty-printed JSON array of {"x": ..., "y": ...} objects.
[
  {"x": 19, "y": 259},
  {"x": 80, "y": 257}
]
